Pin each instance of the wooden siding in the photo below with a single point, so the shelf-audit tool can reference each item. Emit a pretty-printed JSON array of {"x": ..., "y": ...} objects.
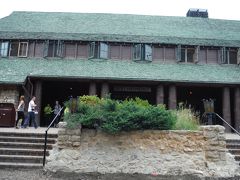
[
  {"x": 82, "y": 51},
  {"x": 31, "y": 47},
  {"x": 203, "y": 56},
  {"x": 70, "y": 50},
  {"x": 115, "y": 52},
  {"x": 126, "y": 52},
  {"x": 158, "y": 53},
  {"x": 212, "y": 56},
  {"x": 39, "y": 46},
  {"x": 170, "y": 54}
]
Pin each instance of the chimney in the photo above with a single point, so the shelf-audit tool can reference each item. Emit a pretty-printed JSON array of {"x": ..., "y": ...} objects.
[{"x": 192, "y": 12}]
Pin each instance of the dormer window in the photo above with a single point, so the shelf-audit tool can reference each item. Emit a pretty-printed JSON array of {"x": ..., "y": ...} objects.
[
  {"x": 23, "y": 49},
  {"x": 4, "y": 46},
  {"x": 228, "y": 55},
  {"x": 142, "y": 52},
  {"x": 98, "y": 50},
  {"x": 53, "y": 48},
  {"x": 187, "y": 54}
]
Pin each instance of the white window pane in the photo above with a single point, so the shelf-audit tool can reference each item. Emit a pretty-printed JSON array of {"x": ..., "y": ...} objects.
[
  {"x": 91, "y": 50},
  {"x": 137, "y": 52},
  {"x": 148, "y": 52},
  {"x": 4, "y": 49},
  {"x": 23, "y": 48},
  {"x": 103, "y": 50}
]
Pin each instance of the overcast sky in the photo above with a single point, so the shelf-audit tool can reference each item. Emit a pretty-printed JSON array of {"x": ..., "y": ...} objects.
[{"x": 218, "y": 9}]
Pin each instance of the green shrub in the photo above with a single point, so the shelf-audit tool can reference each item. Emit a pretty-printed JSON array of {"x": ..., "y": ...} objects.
[
  {"x": 47, "y": 110},
  {"x": 113, "y": 116},
  {"x": 186, "y": 120}
]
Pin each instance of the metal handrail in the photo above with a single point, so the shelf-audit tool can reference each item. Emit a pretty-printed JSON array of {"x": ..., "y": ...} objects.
[
  {"x": 224, "y": 122},
  {"x": 45, "y": 142}
]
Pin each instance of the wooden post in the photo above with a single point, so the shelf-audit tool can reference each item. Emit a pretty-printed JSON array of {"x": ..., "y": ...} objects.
[
  {"x": 159, "y": 95},
  {"x": 226, "y": 108},
  {"x": 172, "y": 98},
  {"x": 104, "y": 90},
  {"x": 38, "y": 94},
  {"x": 237, "y": 108},
  {"x": 92, "y": 89}
]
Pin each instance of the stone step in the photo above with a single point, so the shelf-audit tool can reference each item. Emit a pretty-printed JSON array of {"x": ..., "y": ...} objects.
[
  {"x": 21, "y": 159},
  {"x": 20, "y": 165},
  {"x": 233, "y": 141},
  {"x": 24, "y": 152},
  {"x": 233, "y": 146},
  {"x": 21, "y": 145},
  {"x": 26, "y": 139},
  {"x": 27, "y": 134},
  {"x": 234, "y": 151}
]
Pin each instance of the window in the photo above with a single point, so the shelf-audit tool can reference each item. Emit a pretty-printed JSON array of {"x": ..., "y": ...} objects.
[
  {"x": 230, "y": 56},
  {"x": 14, "y": 48},
  {"x": 103, "y": 50},
  {"x": 142, "y": 52},
  {"x": 23, "y": 49},
  {"x": 98, "y": 50},
  {"x": 148, "y": 53},
  {"x": 53, "y": 49},
  {"x": 137, "y": 52},
  {"x": 92, "y": 47},
  {"x": 187, "y": 55},
  {"x": 4, "y": 49}
]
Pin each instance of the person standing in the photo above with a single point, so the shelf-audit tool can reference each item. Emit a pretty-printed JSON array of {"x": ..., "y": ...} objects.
[
  {"x": 31, "y": 113},
  {"x": 20, "y": 111},
  {"x": 56, "y": 110}
]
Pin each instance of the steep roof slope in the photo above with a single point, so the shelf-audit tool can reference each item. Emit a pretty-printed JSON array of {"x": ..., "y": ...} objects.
[{"x": 121, "y": 27}]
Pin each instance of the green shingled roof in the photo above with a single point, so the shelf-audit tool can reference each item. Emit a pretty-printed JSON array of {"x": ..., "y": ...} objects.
[
  {"x": 119, "y": 27},
  {"x": 16, "y": 71}
]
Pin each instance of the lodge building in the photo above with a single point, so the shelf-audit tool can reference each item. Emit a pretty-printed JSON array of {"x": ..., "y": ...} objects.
[{"x": 162, "y": 59}]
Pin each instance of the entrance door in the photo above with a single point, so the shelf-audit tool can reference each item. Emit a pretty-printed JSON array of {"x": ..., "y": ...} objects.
[{"x": 61, "y": 91}]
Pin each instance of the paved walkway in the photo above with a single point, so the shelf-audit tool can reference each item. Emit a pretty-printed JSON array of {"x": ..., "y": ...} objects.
[{"x": 30, "y": 130}]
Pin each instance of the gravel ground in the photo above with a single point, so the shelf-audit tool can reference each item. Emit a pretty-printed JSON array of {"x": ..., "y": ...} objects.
[{"x": 24, "y": 174}]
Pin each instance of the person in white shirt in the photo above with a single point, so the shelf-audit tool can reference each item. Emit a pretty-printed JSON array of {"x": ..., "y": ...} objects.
[{"x": 31, "y": 113}]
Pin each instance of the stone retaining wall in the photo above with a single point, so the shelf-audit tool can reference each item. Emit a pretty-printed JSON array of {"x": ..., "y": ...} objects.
[
  {"x": 201, "y": 153},
  {"x": 9, "y": 95}
]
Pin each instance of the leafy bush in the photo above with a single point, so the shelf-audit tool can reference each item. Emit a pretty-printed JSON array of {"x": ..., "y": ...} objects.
[
  {"x": 113, "y": 116},
  {"x": 47, "y": 110},
  {"x": 186, "y": 119}
]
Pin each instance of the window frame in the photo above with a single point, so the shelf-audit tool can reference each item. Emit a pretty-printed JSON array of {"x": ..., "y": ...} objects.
[
  {"x": 185, "y": 51},
  {"x": 4, "y": 49},
  {"x": 19, "y": 49},
  {"x": 97, "y": 50},
  {"x": 140, "y": 52},
  {"x": 92, "y": 47},
  {"x": 103, "y": 50},
  {"x": 228, "y": 56}
]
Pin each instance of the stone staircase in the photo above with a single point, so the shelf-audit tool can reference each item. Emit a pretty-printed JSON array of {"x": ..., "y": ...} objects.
[
  {"x": 233, "y": 146},
  {"x": 23, "y": 149}
]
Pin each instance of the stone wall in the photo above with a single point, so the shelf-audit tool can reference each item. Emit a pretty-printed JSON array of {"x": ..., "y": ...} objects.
[
  {"x": 200, "y": 153},
  {"x": 9, "y": 95}
]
